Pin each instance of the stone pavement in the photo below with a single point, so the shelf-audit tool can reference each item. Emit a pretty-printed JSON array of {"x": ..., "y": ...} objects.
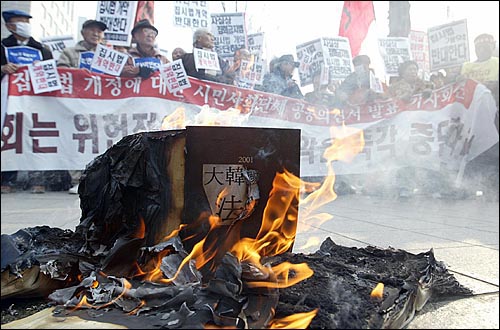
[{"x": 463, "y": 234}]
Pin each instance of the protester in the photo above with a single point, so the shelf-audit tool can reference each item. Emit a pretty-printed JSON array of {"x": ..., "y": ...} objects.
[
  {"x": 355, "y": 89},
  {"x": 177, "y": 53},
  {"x": 485, "y": 68},
  {"x": 280, "y": 80},
  {"x": 272, "y": 69},
  {"x": 438, "y": 80},
  {"x": 145, "y": 57},
  {"x": 203, "y": 39},
  {"x": 409, "y": 83},
  {"x": 232, "y": 76},
  {"x": 80, "y": 55},
  {"x": 18, "y": 23},
  {"x": 322, "y": 93},
  {"x": 483, "y": 171}
]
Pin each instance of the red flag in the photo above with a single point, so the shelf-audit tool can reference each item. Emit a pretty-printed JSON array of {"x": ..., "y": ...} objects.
[
  {"x": 145, "y": 10},
  {"x": 355, "y": 21}
]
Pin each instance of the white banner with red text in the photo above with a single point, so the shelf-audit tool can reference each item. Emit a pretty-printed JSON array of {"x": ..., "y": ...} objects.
[{"x": 67, "y": 129}]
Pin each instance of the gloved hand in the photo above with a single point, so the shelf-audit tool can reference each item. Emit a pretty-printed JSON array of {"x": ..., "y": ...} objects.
[{"x": 145, "y": 72}]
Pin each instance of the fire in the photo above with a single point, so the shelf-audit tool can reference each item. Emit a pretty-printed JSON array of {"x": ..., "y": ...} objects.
[
  {"x": 94, "y": 285},
  {"x": 213, "y": 117},
  {"x": 295, "y": 321},
  {"x": 282, "y": 272},
  {"x": 176, "y": 120},
  {"x": 279, "y": 223},
  {"x": 378, "y": 291},
  {"x": 278, "y": 228},
  {"x": 347, "y": 143}
]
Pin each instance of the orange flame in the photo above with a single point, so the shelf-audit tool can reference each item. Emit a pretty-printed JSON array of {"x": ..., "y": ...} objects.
[
  {"x": 378, "y": 291},
  {"x": 347, "y": 143},
  {"x": 135, "y": 310},
  {"x": 141, "y": 229},
  {"x": 295, "y": 321},
  {"x": 282, "y": 271},
  {"x": 176, "y": 120},
  {"x": 278, "y": 227},
  {"x": 83, "y": 303}
]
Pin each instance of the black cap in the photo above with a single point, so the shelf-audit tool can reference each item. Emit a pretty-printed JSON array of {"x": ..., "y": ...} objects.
[
  {"x": 143, "y": 23},
  {"x": 8, "y": 14},
  {"x": 289, "y": 58},
  {"x": 361, "y": 59},
  {"x": 93, "y": 22}
]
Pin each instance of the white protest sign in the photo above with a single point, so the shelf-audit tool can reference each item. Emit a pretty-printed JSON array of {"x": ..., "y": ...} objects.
[
  {"x": 255, "y": 42},
  {"x": 191, "y": 14},
  {"x": 251, "y": 73},
  {"x": 108, "y": 61},
  {"x": 420, "y": 50},
  {"x": 229, "y": 32},
  {"x": 394, "y": 51},
  {"x": 174, "y": 75},
  {"x": 57, "y": 44},
  {"x": 119, "y": 18},
  {"x": 310, "y": 56},
  {"x": 330, "y": 56},
  {"x": 448, "y": 45},
  {"x": 205, "y": 59},
  {"x": 44, "y": 76},
  {"x": 337, "y": 54}
]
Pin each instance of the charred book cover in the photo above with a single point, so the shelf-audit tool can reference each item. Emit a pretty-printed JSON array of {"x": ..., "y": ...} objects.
[{"x": 229, "y": 177}]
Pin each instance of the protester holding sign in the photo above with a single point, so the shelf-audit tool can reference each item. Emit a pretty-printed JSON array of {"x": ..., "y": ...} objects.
[
  {"x": 81, "y": 55},
  {"x": 233, "y": 73},
  {"x": 20, "y": 49},
  {"x": 146, "y": 58},
  {"x": 204, "y": 40}
]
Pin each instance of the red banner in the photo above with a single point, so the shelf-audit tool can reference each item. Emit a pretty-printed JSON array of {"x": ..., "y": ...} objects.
[
  {"x": 355, "y": 22},
  {"x": 145, "y": 10},
  {"x": 81, "y": 84}
]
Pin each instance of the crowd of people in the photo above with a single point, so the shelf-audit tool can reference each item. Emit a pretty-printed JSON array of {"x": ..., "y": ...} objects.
[{"x": 144, "y": 58}]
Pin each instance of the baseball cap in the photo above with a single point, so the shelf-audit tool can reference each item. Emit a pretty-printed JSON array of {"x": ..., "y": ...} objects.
[
  {"x": 93, "y": 22},
  {"x": 8, "y": 14},
  {"x": 143, "y": 23},
  {"x": 289, "y": 58}
]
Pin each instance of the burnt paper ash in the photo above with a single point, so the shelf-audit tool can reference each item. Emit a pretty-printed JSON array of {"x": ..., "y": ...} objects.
[{"x": 344, "y": 277}]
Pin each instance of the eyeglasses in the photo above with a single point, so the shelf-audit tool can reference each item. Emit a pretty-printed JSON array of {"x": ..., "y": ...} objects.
[{"x": 149, "y": 32}]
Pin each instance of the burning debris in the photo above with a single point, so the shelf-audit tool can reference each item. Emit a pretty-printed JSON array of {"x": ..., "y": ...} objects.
[
  {"x": 241, "y": 295},
  {"x": 150, "y": 251}
]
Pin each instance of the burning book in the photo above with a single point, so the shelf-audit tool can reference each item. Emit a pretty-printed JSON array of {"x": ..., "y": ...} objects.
[{"x": 160, "y": 244}]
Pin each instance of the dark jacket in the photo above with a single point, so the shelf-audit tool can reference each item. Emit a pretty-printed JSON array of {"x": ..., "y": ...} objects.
[
  {"x": 189, "y": 66},
  {"x": 11, "y": 41},
  {"x": 276, "y": 83}
]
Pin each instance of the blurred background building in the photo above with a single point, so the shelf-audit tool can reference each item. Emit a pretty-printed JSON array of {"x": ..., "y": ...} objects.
[{"x": 50, "y": 18}]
